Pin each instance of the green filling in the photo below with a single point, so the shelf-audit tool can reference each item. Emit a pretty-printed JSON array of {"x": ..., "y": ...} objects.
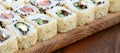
[
  {"x": 18, "y": 25},
  {"x": 22, "y": 27},
  {"x": 39, "y": 21},
  {"x": 60, "y": 14},
  {"x": 94, "y": 2},
  {"x": 78, "y": 7}
]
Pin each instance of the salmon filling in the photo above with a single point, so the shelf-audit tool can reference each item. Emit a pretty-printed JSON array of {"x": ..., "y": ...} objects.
[
  {"x": 27, "y": 9},
  {"x": 45, "y": 2},
  {"x": 3, "y": 36},
  {"x": 6, "y": 15}
]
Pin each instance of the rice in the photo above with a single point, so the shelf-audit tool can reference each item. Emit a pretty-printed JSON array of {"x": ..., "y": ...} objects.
[{"x": 114, "y": 6}]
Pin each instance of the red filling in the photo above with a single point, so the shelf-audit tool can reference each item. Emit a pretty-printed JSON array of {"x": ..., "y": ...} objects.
[
  {"x": 27, "y": 9},
  {"x": 45, "y": 2},
  {"x": 6, "y": 15}
]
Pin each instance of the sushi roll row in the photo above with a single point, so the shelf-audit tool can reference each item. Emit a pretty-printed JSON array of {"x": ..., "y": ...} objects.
[
  {"x": 27, "y": 29},
  {"x": 25, "y": 33},
  {"x": 24, "y": 22}
]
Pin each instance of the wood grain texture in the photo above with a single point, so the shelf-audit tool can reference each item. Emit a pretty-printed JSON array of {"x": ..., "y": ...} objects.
[
  {"x": 107, "y": 41},
  {"x": 64, "y": 39}
]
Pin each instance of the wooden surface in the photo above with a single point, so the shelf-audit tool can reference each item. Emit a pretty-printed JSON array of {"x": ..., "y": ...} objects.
[
  {"x": 62, "y": 40},
  {"x": 107, "y": 41}
]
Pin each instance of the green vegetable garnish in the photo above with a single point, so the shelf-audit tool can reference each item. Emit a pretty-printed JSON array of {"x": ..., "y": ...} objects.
[
  {"x": 60, "y": 14},
  {"x": 77, "y": 6},
  {"x": 40, "y": 22},
  {"x": 22, "y": 27},
  {"x": 94, "y": 2},
  {"x": 18, "y": 25}
]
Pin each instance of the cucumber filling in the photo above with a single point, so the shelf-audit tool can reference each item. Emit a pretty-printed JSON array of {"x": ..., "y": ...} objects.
[
  {"x": 24, "y": 28},
  {"x": 79, "y": 5},
  {"x": 40, "y": 21},
  {"x": 3, "y": 36},
  {"x": 62, "y": 13}
]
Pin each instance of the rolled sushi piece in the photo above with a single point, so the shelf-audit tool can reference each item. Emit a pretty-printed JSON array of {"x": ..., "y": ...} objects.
[
  {"x": 2, "y": 8},
  {"x": 25, "y": 33},
  {"x": 102, "y": 8},
  {"x": 8, "y": 42},
  {"x": 7, "y": 17},
  {"x": 84, "y": 10},
  {"x": 25, "y": 10},
  {"x": 9, "y": 3},
  {"x": 44, "y": 5},
  {"x": 66, "y": 19},
  {"x": 114, "y": 6},
  {"x": 46, "y": 26}
]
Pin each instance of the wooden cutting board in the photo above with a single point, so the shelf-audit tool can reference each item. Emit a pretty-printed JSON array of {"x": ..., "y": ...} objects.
[{"x": 64, "y": 39}]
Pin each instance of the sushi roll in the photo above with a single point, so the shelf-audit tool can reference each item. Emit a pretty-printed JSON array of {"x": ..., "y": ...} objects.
[
  {"x": 8, "y": 42},
  {"x": 114, "y": 6},
  {"x": 2, "y": 8},
  {"x": 44, "y": 5},
  {"x": 25, "y": 10},
  {"x": 102, "y": 8},
  {"x": 84, "y": 10},
  {"x": 46, "y": 26},
  {"x": 25, "y": 33},
  {"x": 8, "y": 3},
  {"x": 7, "y": 17},
  {"x": 66, "y": 20}
]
